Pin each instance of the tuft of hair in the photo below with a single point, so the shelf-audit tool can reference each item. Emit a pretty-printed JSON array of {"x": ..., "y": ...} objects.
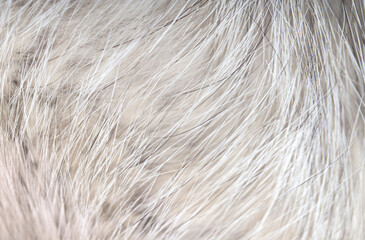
[{"x": 182, "y": 119}]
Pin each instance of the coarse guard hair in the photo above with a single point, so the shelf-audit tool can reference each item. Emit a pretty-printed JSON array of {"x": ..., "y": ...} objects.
[{"x": 182, "y": 119}]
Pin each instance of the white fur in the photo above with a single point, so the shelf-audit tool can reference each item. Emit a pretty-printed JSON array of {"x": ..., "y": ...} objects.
[{"x": 182, "y": 119}]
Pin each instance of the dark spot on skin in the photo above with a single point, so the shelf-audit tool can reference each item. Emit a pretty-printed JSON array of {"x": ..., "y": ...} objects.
[
  {"x": 106, "y": 210},
  {"x": 34, "y": 165},
  {"x": 25, "y": 148},
  {"x": 147, "y": 222},
  {"x": 22, "y": 182},
  {"x": 16, "y": 82}
]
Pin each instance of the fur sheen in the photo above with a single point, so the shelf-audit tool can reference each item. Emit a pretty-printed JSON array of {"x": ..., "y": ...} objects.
[{"x": 124, "y": 119}]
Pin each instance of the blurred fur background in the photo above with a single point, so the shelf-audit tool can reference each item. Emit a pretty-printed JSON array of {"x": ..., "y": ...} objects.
[{"x": 194, "y": 119}]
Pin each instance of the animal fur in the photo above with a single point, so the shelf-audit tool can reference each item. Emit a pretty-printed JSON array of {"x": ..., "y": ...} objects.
[{"x": 123, "y": 119}]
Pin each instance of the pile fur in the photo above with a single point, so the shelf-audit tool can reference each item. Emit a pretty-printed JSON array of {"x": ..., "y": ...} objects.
[{"x": 170, "y": 119}]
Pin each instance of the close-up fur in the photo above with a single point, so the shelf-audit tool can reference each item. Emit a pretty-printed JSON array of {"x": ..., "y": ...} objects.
[{"x": 182, "y": 119}]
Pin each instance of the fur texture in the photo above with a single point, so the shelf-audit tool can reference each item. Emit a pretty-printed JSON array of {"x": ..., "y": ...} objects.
[{"x": 182, "y": 119}]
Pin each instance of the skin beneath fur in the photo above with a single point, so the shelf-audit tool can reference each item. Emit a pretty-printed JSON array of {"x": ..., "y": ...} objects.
[{"x": 182, "y": 119}]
